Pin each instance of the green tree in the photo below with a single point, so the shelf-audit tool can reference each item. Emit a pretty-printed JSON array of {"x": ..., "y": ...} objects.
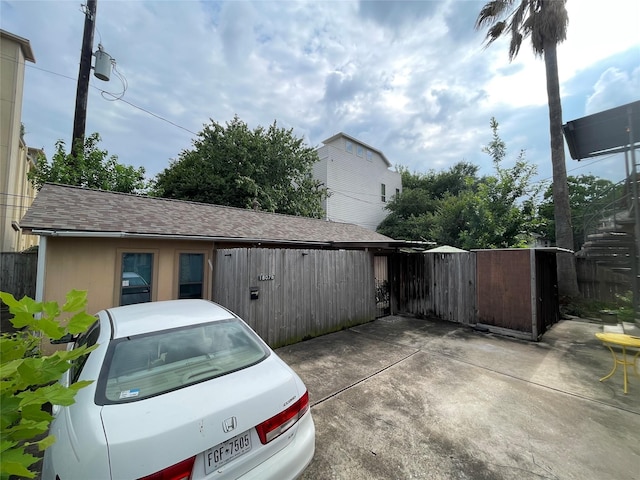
[
  {"x": 457, "y": 208},
  {"x": 28, "y": 379},
  {"x": 93, "y": 168},
  {"x": 588, "y": 194},
  {"x": 268, "y": 169},
  {"x": 412, "y": 212},
  {"x": 498, "y": 212},
  {"x": 545, "y": 22}
]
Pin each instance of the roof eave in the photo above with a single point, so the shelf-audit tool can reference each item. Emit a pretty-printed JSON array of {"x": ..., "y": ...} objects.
[
  {"x": 24, "y": 43},
  {"x": 353, "y": 139},
  {"x": 206, "y": 238}
]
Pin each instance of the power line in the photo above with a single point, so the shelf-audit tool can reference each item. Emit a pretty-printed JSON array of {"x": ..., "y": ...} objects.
[
  {"x": 584, "y": 165},
  {"x": 116, "y": 98},
  {"x": 146, "y": 111}
]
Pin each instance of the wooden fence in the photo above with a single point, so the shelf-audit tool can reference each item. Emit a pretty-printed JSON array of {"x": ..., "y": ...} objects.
[
  {"x": 300, "y": 293},
  {"x": 435, "y": 284},
  {"x": 18, "y": 277},
  {"x": 287, "y": 295},
  {"x": 597, "y": 282}
]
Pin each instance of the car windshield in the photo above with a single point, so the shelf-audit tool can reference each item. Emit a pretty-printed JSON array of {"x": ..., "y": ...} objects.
[
  {"x": 143, "y": 366},
  {"x": 130, "y": 279}
]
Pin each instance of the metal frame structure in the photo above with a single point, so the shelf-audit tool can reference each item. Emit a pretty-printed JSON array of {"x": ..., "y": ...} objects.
[{"x": 605, "y": 133}]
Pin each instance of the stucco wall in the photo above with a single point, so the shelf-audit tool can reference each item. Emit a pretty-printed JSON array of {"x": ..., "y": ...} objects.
[{"x": 93, "y": 264}]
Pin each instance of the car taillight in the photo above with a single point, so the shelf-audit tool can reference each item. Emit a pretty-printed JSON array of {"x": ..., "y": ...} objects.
[
  {"x": 280, "y": 423},
  {"x": 179, "y": 471}
]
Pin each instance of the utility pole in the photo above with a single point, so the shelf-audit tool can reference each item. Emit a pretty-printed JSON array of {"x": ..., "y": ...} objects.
[{"x": 82, "y": 92}]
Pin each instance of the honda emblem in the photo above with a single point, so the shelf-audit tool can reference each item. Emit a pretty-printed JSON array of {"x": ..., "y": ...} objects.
[{"x": 229, "y": 424}]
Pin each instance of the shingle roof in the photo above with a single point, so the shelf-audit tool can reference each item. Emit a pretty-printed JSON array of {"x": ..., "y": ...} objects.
[{"x": 62, "y": 208}]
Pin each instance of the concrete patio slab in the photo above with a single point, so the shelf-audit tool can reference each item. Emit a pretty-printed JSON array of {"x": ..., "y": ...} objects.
[{"x": 402, "y": 397}]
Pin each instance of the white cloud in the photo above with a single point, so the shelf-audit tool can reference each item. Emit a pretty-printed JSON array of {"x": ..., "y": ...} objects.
[
  {"x": 409, "y": 78},
  {"x": 612, "y": 89},
  {"x": 597, "y": 30}
]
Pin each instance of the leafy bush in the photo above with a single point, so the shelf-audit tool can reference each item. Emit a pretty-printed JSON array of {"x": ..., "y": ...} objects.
[
  {"x": 29, "y": 379},
  {"x": 622, "y": 306}
]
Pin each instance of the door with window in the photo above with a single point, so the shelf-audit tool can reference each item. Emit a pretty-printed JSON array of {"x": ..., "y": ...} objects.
[
  {"x": 191, "y": 275},
  {"x": 136, "y": 277}
]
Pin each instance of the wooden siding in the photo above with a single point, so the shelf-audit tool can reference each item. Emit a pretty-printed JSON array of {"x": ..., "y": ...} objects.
[
  {"x": 504, "y": 289},
  {"x": 435, "y": 284},
  {"x": 517, "y": 291},
  {"x": 300, "y": 293}
]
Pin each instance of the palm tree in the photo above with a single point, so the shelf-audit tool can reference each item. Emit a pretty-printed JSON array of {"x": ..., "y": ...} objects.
[{"x": 545, "y": 22}]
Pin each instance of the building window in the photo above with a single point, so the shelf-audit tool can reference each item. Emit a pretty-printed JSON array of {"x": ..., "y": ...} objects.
[
  {"x": 397, "y": 192},
  {"x": 191, "y": 275},
  {"x": 137, "y": 272},
  {"x": 369, "y": 155},
  {"x": 359, "y": 151},
  {"x": 383, "y": 192},
  {"x": 348, "y": 146}
]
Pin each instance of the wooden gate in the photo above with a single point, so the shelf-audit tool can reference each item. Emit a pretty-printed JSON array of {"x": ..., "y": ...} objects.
[
  {"x": 435, "y": 284},
  {"x": 17, "y": 277}
]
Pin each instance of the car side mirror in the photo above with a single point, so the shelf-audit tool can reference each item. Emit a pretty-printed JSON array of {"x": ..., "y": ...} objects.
[{"x": 68, "y": 338}]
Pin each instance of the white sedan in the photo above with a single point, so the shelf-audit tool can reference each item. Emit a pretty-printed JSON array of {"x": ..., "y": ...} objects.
[{"x": 183, "y": 389}]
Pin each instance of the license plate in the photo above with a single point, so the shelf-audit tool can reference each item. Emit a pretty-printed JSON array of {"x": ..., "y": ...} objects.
[{"x": 224, "y": 452}]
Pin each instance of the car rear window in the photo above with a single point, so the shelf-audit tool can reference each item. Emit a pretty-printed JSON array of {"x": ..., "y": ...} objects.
[{"x": 148, "y": 365}]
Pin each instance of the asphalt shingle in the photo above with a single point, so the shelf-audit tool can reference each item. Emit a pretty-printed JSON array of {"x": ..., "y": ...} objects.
[{"x": 75, "y": 209}]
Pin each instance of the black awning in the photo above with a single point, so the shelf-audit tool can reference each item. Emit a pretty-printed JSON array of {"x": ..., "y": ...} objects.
[{"x": 603, "y": 133}]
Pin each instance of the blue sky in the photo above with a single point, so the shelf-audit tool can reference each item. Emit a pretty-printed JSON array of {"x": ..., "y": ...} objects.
[{"x": 411, "y": 79}]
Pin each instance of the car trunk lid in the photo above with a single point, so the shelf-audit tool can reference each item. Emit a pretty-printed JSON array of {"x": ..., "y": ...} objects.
[{"x": 151, "y": 434}]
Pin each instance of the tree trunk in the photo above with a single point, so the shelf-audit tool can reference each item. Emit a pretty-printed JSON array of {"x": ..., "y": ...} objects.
[{"x": 567, "y": 278}]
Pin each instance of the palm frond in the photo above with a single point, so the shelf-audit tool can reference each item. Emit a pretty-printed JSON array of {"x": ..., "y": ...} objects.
[
  {"x": 518, "y": 15},
  {"x": 495, "y": 32},
  {"x": 491, "y": 12},
  {"x": 547, "y": 24},
  {"x": 514, "y": 46}
]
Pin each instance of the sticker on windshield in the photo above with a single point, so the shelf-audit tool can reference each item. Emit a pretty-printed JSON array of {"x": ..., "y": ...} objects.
[{"x": 129, "y": 393}]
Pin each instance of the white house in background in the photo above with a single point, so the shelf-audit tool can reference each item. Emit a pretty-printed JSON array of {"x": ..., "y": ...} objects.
[{"x": 359, "y": 179}]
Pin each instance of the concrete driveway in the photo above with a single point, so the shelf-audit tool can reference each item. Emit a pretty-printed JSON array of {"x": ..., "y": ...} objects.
[{"x": 402, "y": 398}]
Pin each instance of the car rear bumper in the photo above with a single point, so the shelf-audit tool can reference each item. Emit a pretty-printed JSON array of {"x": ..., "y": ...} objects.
[{"x": 291, "y": 461}]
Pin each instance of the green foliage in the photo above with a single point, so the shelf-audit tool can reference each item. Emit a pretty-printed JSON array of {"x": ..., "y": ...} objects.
[
  {"x": 622, "y": 306},
  {"x": 457, "y": 208},
  {"x": 588, "y": 194},
  {"x": 414, "y": 211},
  {"x": 92, "y": 168},
  {"x": 29, "y": 379},
  {"x": 499, "y": 213},
  {"x": 268, "y": 169}
]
